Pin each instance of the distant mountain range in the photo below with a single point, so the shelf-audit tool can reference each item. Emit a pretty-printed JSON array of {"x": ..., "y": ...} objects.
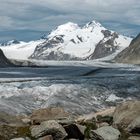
[
  {"x": 12, "y": 42},
  {"x": 70, "y": 42}
]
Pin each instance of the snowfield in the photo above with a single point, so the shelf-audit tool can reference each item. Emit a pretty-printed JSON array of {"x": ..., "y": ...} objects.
[{"x": 20, "y": 51}]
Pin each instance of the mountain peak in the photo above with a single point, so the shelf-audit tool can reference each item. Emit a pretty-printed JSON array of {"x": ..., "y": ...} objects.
[
  {"x": 93, "y": 24},
  {"x": 62, "y": 29}
]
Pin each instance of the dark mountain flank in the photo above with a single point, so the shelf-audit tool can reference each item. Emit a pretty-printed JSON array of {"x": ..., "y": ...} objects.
[
  {"x": 4, "y": 62},
  {"x": 131, "y": 54}
]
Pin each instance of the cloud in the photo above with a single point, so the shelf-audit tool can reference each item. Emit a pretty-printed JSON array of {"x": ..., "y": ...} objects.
[{"x": 44, "y": 15}]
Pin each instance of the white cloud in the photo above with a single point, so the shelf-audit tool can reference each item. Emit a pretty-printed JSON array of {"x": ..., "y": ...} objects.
[{"x": 45, "y": 14}]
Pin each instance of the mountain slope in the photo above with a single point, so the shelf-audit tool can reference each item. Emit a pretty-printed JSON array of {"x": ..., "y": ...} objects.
[
  {"x": 4, "y": 62},
  {"x": 71, "y": 42},
  {"x": 20, "y": 50},
  {"x": 130, "y": 54}
]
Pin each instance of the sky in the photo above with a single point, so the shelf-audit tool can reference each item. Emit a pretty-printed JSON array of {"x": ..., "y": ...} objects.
[{"x": 30, "y": 19}]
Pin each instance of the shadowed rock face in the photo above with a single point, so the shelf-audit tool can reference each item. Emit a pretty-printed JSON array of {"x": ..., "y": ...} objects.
[
  {"x": 130, "y": 54},
  {"x": 47, "y": 44},
  {"x": 4, "y": 62},
  {"x": 105, "y": 48}
]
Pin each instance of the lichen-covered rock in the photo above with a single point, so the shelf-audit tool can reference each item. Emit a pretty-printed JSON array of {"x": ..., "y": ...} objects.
[
  {"x": 126, "y": 113},
  {"x": 105, "y": 133},
  {"x": 89, "y": 117},
  {"x": 49, "y": 128},
  {"x": 134, "y": 127},
  {"x": 8, "y": 119},
  {"x": 107, "y": 119},
  {"x": 46, "y": 114}
]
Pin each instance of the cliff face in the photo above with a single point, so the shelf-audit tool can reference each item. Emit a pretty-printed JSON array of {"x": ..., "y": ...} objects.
[
  {"x": 4, "y": 62},
  {"x": 131, "y": 54}
]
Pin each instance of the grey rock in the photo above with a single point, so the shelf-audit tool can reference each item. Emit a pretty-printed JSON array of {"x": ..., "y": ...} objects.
[
  {"x": 26, "y": 120},
  {"x": 49, "y": 128},
  {"x": 8, "y": 119},
  {"x": 126, "y": 113},
  {"x": 53, "y": 113},
  {"x": 134, "y": 127},
  {"x": 105, "y": 133}
]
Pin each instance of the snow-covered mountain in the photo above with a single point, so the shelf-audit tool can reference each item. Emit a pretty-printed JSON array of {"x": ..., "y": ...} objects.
[
  {"x": 21, "y": 51},
  {"x": 71, "y": 42}
]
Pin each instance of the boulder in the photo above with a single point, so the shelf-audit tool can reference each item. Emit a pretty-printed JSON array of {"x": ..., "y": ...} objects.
[
  {"x": 126, "y": 113},
  {"x": 134, "y": 127},
  {"x": 46, "y": 114},
  {"x": 105, "y": 133},
  {"x": 90, "y": 117},
  {"x": 26, "y": 121},
  {"x": 75, "y": 131},
  {"x": 49, "y": 128}
]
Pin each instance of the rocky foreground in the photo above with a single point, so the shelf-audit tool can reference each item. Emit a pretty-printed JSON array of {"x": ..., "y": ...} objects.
[{"x": 117, "y": 123}]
